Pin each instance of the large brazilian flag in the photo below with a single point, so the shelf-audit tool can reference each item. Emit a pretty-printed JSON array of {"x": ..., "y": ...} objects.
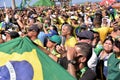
[{"x": 21, "y": 59}]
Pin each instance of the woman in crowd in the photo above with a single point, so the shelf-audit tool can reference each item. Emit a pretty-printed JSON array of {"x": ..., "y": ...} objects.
[
  {"x": 114, "y": 62},
  {"x": 103, "y": 57}
]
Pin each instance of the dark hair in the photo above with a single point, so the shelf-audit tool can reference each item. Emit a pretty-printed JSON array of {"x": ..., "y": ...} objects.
[
  {"x": 70, "y": 28},
  {"x": 97, "y": 21},
  {"x": 34, "y": 19},
  {"x": 86, "y": 49},
  {"x": 82, "y": 18},
  {"x": 109, "y": 38},
  {"x": 66, "y": 16},
  {"x": 74, "y": 21},
  {"x": 14, "y": 34},
  {"x": 117, "y": 43},
  {"x": 116, "y": 28},
  {"x": 55, "y": 28}
]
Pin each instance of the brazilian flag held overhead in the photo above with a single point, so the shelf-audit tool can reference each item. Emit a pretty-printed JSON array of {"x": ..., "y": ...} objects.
[{"x": 21, "y": 59}]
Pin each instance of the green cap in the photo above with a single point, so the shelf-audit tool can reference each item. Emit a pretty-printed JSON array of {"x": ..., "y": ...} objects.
[{"x": 56, "y": 39}]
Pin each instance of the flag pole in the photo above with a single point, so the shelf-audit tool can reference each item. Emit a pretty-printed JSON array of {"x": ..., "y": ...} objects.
[
  {"x": 13, "y": 4},
  {"x": 4, "y": 4}
]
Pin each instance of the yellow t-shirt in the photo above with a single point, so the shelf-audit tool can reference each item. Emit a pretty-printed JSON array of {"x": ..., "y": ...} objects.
[
  {"x": 103, "y": 32},
  {"x": 56, "y": 54},
  {"x": 70, "y": 42},
  {"x": 38, "y": 42}
]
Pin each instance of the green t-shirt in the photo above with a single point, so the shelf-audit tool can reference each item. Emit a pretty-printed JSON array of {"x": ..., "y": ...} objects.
[
  {"x": 0, "y": 26},
  {"x": 113, "y": 68},
  {"x": 98, "y": 49},
  {"x": 81, "y": 72}
]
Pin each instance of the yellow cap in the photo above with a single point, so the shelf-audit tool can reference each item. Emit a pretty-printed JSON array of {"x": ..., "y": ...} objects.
[{"x": 88, "y": 8}]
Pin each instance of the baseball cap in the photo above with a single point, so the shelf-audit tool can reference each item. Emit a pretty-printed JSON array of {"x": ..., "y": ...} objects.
[
  {"x": 85, "y": 35},
  {"x": 35, "y": 28},
  {"x": 83, "y": 26},
  {"x": 55, "y": 39}
]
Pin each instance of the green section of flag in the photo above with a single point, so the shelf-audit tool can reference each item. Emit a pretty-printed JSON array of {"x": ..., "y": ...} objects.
[
  {"x": 50, "y": 69},
  {"x": 44, "y": 3},
  {"x": 24, "y": 3}
]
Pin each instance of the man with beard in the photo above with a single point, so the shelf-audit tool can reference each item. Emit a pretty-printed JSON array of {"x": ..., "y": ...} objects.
[{"x": 80, "y": 69}]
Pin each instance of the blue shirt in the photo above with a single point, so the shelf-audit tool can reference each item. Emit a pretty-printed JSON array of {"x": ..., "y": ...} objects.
[{"x": 42, "y": 36}]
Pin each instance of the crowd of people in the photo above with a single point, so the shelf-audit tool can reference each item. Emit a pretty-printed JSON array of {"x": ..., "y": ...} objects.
[{"x": 84, "y": 39}]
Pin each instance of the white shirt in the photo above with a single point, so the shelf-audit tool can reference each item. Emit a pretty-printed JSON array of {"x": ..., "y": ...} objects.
[{"x": 93, "y": 61}]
